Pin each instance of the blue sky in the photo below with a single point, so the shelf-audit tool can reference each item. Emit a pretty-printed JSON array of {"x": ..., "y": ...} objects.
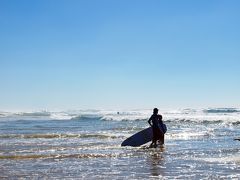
[{"x": 62, "y": 54}]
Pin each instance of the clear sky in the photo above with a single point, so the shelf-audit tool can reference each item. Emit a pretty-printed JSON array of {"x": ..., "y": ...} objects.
[{"x": 83, "y": 54}]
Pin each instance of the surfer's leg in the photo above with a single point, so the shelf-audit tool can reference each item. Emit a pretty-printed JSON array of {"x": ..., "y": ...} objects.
[
  {"x": 151, "y": 145},
  {"x": 161, "y": 139},
  {"x": 155, "y": 144},
  {"x": 154, "y": 139}
]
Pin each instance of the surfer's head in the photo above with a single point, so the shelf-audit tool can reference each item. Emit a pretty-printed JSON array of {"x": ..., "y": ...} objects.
[{"x": 155, "y": 111}]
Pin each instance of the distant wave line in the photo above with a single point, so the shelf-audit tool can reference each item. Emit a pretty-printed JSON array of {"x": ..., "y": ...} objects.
[
  {"x": 51, "y": 136},
  {"x": 57, "y": 156}
]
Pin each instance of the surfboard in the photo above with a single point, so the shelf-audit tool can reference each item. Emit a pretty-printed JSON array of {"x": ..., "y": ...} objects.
[
  {"x": 142, "y": 137},
  {"x": 139, "y": 138}
]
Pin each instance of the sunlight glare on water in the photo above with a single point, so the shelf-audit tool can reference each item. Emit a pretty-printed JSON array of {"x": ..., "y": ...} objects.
[{"x": 87, "y": 146}]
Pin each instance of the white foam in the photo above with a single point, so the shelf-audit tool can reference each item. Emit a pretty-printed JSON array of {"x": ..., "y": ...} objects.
[
  {"x": 225, "y": 159},
  {"x": 199, "y": 115}
]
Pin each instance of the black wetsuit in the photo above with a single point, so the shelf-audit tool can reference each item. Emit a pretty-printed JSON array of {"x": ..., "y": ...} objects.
[{"x": 156, "y": 119}]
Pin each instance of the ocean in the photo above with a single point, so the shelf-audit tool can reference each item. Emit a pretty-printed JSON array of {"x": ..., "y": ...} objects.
[{"x": 86, "y": 144}]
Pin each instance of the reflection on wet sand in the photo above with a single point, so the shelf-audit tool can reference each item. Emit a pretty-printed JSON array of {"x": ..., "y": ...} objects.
[{"x": 156, "y": 162}]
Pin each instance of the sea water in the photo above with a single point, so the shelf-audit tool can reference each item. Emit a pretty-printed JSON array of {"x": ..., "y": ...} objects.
[{"x": 199, "y": 144}]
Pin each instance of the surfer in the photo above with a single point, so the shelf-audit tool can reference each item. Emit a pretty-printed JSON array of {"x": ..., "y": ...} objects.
[{"x": 154, "y": 121}]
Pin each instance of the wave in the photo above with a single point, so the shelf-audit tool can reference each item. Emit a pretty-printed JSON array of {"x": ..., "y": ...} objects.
[
  {"x": 222, "y": 110},
  {"x": 56, "y": 156},
  {"x": 197, "y": 121},
  {"x": 124, "y": 118},
  {"x": 52, "y": 136},
  {"x": 210, "y": 114},
  {"x": 87, "y": 117},
  {"x": 35, "y": 114}
]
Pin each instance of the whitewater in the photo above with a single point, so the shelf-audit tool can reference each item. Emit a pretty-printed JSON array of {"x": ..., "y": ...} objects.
[{"x": 85, "y": 144}]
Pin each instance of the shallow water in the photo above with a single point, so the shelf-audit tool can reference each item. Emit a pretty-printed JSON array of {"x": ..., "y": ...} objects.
[{"x": 86, "y": 145}]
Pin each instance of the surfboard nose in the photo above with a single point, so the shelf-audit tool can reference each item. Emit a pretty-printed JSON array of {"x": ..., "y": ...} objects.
[{"x": 126, "y": 142}]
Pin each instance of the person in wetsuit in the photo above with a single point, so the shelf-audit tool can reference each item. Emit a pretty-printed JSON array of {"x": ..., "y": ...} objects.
[{"x": 155, "y": 121}]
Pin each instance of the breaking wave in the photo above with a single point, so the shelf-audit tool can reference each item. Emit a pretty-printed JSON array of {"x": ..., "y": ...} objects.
[
  {"x": 57, "y": 156},
  {"x": 216, "y": 115},
  {"x": 222, "y": 110},
  {"x": 52, "y": 136}
]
